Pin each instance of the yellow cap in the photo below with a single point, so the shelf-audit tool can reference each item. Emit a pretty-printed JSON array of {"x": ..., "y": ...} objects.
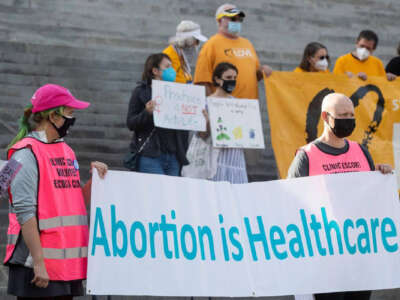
[{"x": 228, "y": 12}]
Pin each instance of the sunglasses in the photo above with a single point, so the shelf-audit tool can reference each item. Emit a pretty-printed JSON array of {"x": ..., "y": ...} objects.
[
  {"x": 323, "y": 57},
  {"x": 236, "y": 19}
]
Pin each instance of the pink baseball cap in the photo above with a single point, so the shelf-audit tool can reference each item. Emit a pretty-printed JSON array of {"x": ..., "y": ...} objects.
[{"x": 52, "y": 95}]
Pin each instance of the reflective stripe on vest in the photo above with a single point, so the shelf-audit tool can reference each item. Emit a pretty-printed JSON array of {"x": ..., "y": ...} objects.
[
  {"x": 12, "y": 235},
  {"x": 319, "y": 162},
  {"x": 52, "y": 253},
  {"x": 12, "y": 239},
  {"x": 61, "y": 211},
  {"x": 62, "y": 221}
]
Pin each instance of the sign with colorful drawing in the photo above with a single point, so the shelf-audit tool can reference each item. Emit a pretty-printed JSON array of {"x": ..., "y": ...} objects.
[
  {"x": 179, "y": 106},
  {"x": 235, "y": 123}
]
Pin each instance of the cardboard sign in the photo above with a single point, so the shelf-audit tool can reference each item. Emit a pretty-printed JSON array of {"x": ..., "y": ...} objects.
[
  {"x": 179, "y": 106},
  {"x": 235, "y": 123}
]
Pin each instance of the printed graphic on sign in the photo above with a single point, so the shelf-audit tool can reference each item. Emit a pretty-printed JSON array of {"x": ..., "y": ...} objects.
[
  {"x": 179, "y": 106},
  {"x": 8, "y": 170},
  {"x": 235, "y": 123}
]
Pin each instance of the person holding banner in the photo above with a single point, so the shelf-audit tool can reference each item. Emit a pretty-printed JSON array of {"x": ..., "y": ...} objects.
[
  {"x": 360, "y": 62},
  {"x": 160, "y": 150},
  {"x": 230, "y": 162},
  {"x": 333, "y": 153},
  {"x": 48, "y": 228},
  {"x": 394, "y": 64},
  {"x": 315, "y": 59},
  {"x": 184, "y": 48},
  {"x": 228, "y": 46}
]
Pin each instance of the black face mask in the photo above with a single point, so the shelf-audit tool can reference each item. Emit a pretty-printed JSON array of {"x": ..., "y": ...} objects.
[
  {"x": 228, "y": 85},
  {"x": 63, "y": 130},
  {"x": 343, "y": 127}
]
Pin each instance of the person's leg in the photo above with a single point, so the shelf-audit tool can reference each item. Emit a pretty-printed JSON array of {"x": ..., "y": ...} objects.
[
  {"x": 358, "y": 295},
  {"x": 171, "y": 165},
  {"x": 150, "y": 165},
  {"x": 330, "y": 296}
]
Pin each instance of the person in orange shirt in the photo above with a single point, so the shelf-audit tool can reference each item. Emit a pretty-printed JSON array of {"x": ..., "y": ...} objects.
[
  {"x": 183, "y": 49},
  {"x": 228, "y": 46},
  {"x": 360, "y": 62},
  {"x": 315, "y": 59}
]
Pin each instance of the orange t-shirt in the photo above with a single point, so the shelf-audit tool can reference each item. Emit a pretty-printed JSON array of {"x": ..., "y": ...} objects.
[
  {"x": 300, "y": 70},
  {"x": 239, "y": 52},
  {"x": 372, "y": 66}
]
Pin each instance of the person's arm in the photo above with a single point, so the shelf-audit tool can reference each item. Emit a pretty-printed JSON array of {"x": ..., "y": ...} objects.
[
  {"x": 204, "y": 68},
  {"x": 391, "y": 76},
  {"x": 369, "y": 157},
  {"x": 205, "y": 134},
  {"x": 299, "y": 166},
  {"x": 24, "y": 203},
  {"x": 102, "y": 169},
  {"x": 31, "y": 236},
  {"x": 138, "y": 116},
  {"x": 339, "y": 68},
  {"x": 264, "y": 69}
]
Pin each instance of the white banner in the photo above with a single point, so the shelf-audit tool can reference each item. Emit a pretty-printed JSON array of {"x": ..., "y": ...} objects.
[
  {"x": 179, "y": 106},
  {"x": 235, "y": 123},
  {"x": 170, "y": 236}
]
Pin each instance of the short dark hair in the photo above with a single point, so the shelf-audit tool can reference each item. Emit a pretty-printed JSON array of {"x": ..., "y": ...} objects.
[
  {"x": 153, "y": 61},
  {"x": 309, "y": 51},
  {"x": 370, "y": 36},
  {"x": 220, "y": 69}
]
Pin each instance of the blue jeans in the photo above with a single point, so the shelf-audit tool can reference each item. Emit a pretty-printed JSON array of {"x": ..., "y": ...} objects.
[{"x": 165, "y": 164}]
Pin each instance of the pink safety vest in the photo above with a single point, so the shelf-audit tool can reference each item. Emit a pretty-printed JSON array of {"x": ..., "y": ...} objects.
[
  {"x": 319, "y": 163},
  {"x": 61, "y": 211}
]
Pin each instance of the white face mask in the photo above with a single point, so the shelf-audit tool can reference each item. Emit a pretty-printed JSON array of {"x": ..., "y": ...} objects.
[
  {"x": 362, "y": 53},
  {"x": 322, "y": 64}
]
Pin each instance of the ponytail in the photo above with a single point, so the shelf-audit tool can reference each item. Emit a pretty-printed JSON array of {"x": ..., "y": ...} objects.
[{"x": 24, "y": 126}]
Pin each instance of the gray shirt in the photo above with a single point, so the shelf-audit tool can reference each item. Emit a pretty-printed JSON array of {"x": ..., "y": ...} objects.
[{"x": 299, "y": 166}]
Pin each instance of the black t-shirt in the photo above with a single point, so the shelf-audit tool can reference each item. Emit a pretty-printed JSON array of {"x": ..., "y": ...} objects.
[
  {"x": 394, "y": 66},
  {"x": 299, "y": 166}
]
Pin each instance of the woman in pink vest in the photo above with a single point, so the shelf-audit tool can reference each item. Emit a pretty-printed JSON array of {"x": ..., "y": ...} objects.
[
  {"x": 333, "y": 153},
  {"x": 48, "y": 227}
]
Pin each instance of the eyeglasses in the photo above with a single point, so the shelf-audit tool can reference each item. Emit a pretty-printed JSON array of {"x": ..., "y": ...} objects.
[
  {"x": 236, "y": 19},
  {"x": 323, "y": 57}
]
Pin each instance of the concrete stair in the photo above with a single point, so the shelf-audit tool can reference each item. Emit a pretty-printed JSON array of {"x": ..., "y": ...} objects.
[{"x": 97, "y": 48}]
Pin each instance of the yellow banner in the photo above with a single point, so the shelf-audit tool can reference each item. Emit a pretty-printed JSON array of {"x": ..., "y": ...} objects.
[{"x": 294, "y": 108}]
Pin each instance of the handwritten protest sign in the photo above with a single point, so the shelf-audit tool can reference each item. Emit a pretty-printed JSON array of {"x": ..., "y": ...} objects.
[
  {"x": 179, "y": 106},
  {"x": 235, "y": 123},
  {"x": 8, "y": 170}
]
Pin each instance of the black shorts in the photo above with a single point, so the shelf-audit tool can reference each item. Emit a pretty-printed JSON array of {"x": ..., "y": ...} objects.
[{"x": 19, "y": 284}]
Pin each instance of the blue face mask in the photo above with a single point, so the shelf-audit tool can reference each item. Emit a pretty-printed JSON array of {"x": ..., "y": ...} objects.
[
  {"x": 234, "y": 27},
  {"x": 168, "y": 74}
]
